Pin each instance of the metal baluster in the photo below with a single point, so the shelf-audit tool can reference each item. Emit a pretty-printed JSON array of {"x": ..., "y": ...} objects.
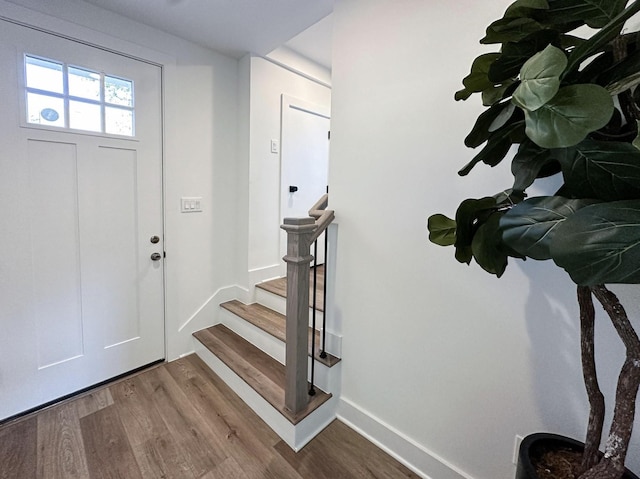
[
  {"x": 312, "y": 390},
  {"x": 323, "y": 353}
]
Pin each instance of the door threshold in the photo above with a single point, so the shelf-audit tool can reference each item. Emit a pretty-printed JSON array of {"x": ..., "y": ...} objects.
[{"x": 80, "y": 393}]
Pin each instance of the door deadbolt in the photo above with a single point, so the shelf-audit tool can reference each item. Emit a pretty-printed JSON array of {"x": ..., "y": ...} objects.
[
  {"x": 155, "y": 239},
  {"x": 156, "y": 256}
]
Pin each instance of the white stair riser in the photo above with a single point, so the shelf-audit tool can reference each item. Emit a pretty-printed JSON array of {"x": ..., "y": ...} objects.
[
  {"x": 279, "y": 304},
  {"x": 256, "y": 336}
]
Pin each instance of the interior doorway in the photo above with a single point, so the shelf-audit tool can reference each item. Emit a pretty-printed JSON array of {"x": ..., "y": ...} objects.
[{"x": 304, "y": 161}]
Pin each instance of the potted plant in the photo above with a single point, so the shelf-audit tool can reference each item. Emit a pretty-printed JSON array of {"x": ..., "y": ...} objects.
[{"x": 570, "y": 104}]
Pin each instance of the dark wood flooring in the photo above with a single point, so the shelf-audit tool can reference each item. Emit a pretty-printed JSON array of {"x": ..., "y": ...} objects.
[{"x": 176, "y": 420}]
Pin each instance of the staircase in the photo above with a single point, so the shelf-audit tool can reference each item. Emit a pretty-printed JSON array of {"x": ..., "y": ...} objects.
[{"x": 247, "y": 350}]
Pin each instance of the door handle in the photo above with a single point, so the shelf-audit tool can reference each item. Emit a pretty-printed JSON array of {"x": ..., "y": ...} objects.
[
  {"x": 293, "y": 189},
  {"x": 156, "y": 256}
]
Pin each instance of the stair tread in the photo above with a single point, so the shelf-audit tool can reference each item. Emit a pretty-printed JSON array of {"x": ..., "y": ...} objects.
[
  {"x": 260, "y": 316},
  {"x": 278, "y": 287},
  {"x": 259, "y": 370},
  {"x": 273, "y": 323}
]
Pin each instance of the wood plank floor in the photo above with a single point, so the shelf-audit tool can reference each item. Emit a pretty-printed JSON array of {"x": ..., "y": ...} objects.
[{"x": 176, "y": 420}]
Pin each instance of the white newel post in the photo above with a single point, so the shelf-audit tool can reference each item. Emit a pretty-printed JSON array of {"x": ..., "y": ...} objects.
[{"x": 300, "y": 232}]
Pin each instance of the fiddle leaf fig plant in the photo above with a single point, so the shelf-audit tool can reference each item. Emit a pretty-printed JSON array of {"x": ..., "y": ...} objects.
[{"x": 563, "y": 102}]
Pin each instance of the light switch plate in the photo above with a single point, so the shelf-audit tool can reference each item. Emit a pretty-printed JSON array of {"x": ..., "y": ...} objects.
[{"x": 191, "y": 204}]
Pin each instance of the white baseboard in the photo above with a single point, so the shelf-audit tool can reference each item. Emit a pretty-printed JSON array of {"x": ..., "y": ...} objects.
[
  {"x": 258, "y": 275},
  {"x": 402, "y": 448},
  {"x": 206, "y": 314},
  {"x": 179, "y": 341}
]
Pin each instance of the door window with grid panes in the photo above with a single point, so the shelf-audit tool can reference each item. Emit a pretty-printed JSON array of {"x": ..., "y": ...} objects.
[{"x": 77, "y": 98}]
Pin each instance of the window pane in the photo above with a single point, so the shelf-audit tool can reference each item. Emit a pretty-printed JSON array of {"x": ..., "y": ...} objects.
[
  {"x": 84, "y": 116},
  {"x": 44, "y": 75},
  {"x": 118, "y": 121},
  {"x": 45, "y": 110},
  {"x": 84, "y": 84},
  {"x": 118, "y": 91}
]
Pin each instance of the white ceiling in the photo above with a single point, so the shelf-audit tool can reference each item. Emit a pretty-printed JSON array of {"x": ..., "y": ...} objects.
[{"x": 236, "y": 27}]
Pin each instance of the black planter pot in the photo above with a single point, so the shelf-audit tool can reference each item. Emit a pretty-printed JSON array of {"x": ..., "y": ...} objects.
[{"x": 530, "y": 443}]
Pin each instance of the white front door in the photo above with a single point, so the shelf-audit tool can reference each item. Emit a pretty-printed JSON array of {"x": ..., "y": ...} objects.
[
  {"x": 304, "y": 161},
  {"x": 81, "y": 300}
]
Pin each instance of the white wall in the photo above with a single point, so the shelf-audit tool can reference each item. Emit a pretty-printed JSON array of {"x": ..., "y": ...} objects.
[
  {"x": 200, "y": 110},
  {"x": 443, "y": 364},
  {"x": 268, "y": 81}
]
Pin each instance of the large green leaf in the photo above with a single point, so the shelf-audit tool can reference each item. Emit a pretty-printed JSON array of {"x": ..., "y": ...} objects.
[
  {"x": 486, "y": 246},
  {"x": 595, "y": 13},
  {"x": 600, "y": 244},
  {"x": 530, "y": 226},
  {"x": 569, "y": 42},
  {"x": 532, "y": 162},
  {"x": 514, "y": 55},
  {"x": 521, "y": 8},
  {"x": 482, "y": 129},
  {"x": 468, "y": 215},
  {"x": 463, "y": 94},
  {"x": 510, "y": 30},
  {"x": 605, "y": 170},
  {"x": 540, "y": 78},
  {"x": 493, "y": 95},
  {"x": 442, "y": 230},
  {"x": 508, "y": 198},
  {"x": 570, "y": 116},
  {"x": 596, "y": 67},
  {"x": 478, "y": 79},
  {"x": 636, "y": 141},
  {"x": 497, "y": 147},
  {"x": 618, "y": 72}
]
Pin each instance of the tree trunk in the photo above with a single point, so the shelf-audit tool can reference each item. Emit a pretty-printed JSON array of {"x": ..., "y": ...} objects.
[
  {"x": 612, "y": 464},
  {"x": 596, "y": 398}
]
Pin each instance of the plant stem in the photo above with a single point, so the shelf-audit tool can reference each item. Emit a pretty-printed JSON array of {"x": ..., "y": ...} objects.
[
  {"x": 612, "y": 464},
  {"x": 601, "y": 38},
  {"x": 596, "y": 398},
  {"x": 627, "y": 104}
]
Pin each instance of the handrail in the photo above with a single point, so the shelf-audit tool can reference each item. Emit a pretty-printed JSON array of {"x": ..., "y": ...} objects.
[
  {"x": 323, "y": 216},
  {"x": 301, "y": 234}
]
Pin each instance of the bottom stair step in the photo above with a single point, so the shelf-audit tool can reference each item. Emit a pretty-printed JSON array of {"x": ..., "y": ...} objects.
[{"x": 259, "y": 370}]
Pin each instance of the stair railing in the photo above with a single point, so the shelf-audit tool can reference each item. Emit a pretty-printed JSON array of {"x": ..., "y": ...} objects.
[{"x": 301, "y": 234}]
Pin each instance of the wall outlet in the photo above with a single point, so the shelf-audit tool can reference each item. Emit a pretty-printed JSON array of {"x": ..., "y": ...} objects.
[
  {"x": 516, "y": 449},
  {"x": 191, "y": 204}
]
